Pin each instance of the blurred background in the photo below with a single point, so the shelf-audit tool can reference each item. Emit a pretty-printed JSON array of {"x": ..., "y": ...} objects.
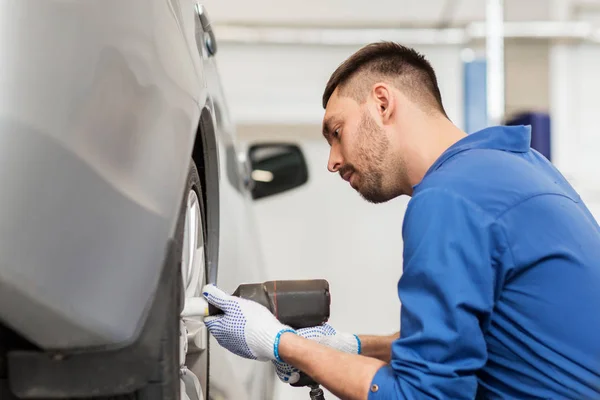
[{"x": 498, "y": 62}]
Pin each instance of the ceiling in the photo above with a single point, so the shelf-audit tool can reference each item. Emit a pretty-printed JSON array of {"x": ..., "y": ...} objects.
[{"x": 379, "y": 13}]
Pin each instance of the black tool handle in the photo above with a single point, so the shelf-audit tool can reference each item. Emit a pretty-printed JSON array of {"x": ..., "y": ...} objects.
[
  {"x": 212, "y": 310},
  {"x": 304, "y": 380},
  {"x": 316, "y": 393}
]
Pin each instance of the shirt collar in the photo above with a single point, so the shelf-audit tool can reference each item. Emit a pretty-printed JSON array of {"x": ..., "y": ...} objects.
[{"x": 515, "y": 139}]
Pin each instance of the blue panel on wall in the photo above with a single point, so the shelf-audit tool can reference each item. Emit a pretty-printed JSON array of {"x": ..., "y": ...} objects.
[
  {"x": 540, "y": 130},
  {"x": 475, "y": 95}
]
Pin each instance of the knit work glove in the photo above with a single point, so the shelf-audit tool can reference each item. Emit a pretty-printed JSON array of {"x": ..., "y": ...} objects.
[
  {"x": 325, "y": 335},
  {"x": 246, "y": 328}
]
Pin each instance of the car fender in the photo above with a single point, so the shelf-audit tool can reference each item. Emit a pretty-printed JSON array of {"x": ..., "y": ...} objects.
[{"x": 99, "y": 109}]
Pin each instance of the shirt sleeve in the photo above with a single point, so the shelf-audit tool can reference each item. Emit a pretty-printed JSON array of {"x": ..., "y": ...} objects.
[{"x": 446, "y": 293}]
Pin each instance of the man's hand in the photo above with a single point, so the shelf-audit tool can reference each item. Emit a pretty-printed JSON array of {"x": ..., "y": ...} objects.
[
  {"x": 347, "y": 376},
  {"x": 325, "y": 335},
  {"x": 246, "y": 328}
]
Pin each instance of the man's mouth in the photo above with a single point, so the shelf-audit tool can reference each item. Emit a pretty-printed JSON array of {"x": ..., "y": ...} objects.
[
  {"x": 347, "y": 175},
  {"x": 353, "y": 182}
]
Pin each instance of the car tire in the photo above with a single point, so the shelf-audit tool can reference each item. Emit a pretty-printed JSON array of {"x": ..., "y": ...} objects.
[
  {"x": 165, "y": 380},
  {"x": 166, "y": 383}
]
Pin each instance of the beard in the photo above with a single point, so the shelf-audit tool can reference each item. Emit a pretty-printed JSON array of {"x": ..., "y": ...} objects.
[{"x": 372, "y": 147}]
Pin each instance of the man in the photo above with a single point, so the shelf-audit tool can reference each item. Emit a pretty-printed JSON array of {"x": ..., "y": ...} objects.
[{"x": 500, "y": 289}]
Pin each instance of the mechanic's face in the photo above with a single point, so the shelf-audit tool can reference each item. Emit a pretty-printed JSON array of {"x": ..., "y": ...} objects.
[{"x": 360, "y": 149}]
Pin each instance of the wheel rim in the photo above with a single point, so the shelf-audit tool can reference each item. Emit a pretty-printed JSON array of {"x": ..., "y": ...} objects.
[{"x": 193, "y": 355}]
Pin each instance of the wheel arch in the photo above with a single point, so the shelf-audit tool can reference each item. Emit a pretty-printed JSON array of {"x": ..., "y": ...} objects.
[{"x": 205, "y": 154}]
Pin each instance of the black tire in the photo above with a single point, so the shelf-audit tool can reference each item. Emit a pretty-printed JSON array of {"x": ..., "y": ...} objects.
[
  {"x": 194, "y": 183},
  {"x": 164, "y": 380}
]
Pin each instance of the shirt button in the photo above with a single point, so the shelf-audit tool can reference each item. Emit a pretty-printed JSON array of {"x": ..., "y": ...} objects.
[{"x": 374, "y": 388}]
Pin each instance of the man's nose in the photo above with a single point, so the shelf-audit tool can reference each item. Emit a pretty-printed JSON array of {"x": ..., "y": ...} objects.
[{"x": 335, "y": 160}]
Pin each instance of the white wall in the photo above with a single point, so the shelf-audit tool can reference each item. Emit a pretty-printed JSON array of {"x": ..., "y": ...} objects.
[
  {"x": 284, "y": 84},
  {"x": 575, "y": 106},
  {"x": 325, "y": 230}
]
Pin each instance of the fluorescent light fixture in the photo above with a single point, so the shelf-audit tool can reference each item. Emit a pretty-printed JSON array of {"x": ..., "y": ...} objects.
[
  {"x": 330, "y": 36},
  {"x": 336, "y": 36}
]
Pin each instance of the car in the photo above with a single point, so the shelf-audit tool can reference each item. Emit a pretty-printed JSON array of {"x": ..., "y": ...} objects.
[{"x": 123, "y": 191}]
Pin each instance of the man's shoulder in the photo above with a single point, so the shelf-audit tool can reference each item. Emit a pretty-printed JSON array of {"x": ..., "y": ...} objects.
[
  {"x": 433, "y": 202},
  {"x": 494, "y": 180}
]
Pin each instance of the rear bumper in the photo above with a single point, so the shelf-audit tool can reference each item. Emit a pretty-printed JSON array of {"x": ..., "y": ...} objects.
[{"x": 79, "y": 260}]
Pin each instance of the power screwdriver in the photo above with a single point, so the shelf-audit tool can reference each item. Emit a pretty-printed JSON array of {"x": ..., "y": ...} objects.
[{"x": 296, "y": 303}]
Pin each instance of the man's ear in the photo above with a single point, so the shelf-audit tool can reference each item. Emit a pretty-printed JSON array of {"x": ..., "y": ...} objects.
[{"x": 384, "y": 101}]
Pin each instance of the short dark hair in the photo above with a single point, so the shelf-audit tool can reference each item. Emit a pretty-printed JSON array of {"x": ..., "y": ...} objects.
[{"x": 409, "y": 71}]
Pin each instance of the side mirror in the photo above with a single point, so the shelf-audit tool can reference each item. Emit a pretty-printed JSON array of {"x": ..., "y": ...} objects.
[{"x": 276, "y": 168}]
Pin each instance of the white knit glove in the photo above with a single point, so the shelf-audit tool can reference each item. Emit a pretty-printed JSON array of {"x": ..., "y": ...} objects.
[
  {"x": 325, "y": 335},
  {"x": 246, "y": 328}
]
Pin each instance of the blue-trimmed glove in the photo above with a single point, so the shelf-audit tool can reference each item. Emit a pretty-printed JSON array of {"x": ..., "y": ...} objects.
[
  {"x": 245, "y": 328},
  {"x": 326, "y": 335}
]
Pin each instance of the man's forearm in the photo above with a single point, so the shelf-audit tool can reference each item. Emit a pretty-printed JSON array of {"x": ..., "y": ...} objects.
[
  {"x": 379, "y": 347},
  {"x": 347, "y": 376}
]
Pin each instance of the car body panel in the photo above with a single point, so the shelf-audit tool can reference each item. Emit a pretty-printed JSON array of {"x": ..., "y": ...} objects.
[
  {"x": 92, "y": 95},
  {"x": 100, "y": 104}
]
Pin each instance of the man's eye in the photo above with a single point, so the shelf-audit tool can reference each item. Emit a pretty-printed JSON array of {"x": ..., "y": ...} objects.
[{"x": 336, "y": 133}]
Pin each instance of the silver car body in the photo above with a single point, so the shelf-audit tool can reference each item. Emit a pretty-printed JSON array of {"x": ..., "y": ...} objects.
[{"x": 100, "y": 103}]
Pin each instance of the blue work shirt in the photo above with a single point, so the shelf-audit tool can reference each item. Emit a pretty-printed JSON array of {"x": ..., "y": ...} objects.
[{"x": 500, "y": 289}]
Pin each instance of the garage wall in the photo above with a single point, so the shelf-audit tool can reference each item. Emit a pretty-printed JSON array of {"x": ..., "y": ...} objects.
[
  {"x": 273, "y": 84},
  {"x": 325, "y": 230},
  {"x": 575, "y": 86}
]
